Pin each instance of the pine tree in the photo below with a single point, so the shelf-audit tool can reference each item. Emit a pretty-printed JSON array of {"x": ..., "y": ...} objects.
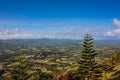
[
  {"x": 20, "y": 71},
  {"x": 87, "y": 60}
]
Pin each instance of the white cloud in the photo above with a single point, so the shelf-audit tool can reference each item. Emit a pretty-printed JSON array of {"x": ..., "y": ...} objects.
[
  {"x": 113, "y": 33},
  {"x": 116, "y": 32},
  {"x": 14, "y": 34},
  {"x": 116, "y": 22}
]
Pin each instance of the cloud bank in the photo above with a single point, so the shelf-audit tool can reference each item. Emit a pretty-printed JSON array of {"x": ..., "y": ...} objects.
[
  {"x": 14, "y": 34},
  {"x": 72, "y": 32}
]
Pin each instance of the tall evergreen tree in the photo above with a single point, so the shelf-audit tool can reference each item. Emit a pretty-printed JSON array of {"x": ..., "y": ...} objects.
[
  {"x": 87, "y": 60},
  {"x": 20, "y": 71}
]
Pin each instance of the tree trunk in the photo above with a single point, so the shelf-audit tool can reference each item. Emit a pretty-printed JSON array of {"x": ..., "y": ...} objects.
[{"x": 86, "y": 78}]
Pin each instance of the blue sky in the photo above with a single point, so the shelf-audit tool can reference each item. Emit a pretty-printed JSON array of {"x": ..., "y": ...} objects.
[{"x": 66, "y": 19}]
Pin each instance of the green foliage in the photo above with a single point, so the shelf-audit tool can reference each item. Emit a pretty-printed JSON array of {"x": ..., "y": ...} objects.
[
  {"x": 115, "y": 58},
  {"x": 107, "y": 67},
  {"x": 115, "y": 75},
  {"x": 87, "y": 59},
  {"x": 20, "y": 71}
]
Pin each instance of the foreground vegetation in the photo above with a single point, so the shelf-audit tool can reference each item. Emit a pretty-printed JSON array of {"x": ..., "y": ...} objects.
[{"x": 63, "y": 60}]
